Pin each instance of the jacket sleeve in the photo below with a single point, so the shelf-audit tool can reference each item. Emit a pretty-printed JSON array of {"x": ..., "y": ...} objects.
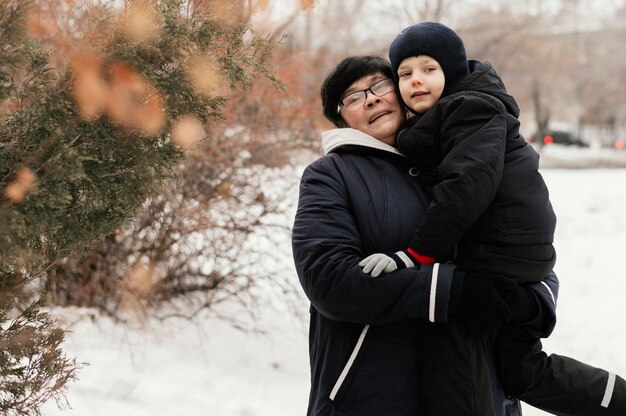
[
  {"x": 473, "y": 137},
  {"x": 327, "y": 249},
  {"x": 546, "y": 293}
]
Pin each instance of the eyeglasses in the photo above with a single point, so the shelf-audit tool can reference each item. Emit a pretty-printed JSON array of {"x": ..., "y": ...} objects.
[{"x": 354, "y": 99}]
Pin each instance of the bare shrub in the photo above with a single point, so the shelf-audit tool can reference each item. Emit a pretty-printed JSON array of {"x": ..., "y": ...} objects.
[{"x": 209, "y": 237}]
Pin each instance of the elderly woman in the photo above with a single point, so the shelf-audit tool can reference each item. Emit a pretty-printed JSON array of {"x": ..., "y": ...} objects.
[
  {"x": 376, "y": 344},
  {"x": 366, "y": 333}
]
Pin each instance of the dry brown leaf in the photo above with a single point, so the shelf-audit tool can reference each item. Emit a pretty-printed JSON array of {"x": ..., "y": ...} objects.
[
  {"x": 140, "y": 280},
  {"x": 262, "y": 4},
  {"x": 151, "y": 117},
  {"x": 39, "y": 26},
  {"x": 125, "y": 76},
  {"x": 86, "y": 61},
  {"x": 188, "y": 131},
  {"x": 225, "y": 10},
  {"x": 90, "y": 93},
  {"x": 205, "y": 75},
  {"x": 90, "y": 90},
  {"x": 306, "y": 4},
  {"x": 120, "y": 106},
  {"x": 10, "y": 105},
  {"x": 141, "y": 23},
  {"x": 133, "y": 102},
  {"x": 17, "y": 190}
]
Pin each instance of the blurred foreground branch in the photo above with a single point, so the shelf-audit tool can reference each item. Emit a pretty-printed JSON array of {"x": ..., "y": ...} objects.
[{"x": 87, "y": 137}]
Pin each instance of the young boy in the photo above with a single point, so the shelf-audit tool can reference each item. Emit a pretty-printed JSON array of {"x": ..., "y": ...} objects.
[
  {"x": 490, "y": 203},
  {"x": 490, "y": 211}
]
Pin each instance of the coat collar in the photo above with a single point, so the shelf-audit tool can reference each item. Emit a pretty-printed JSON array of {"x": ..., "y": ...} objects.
[{"x": 336, "y": 138}]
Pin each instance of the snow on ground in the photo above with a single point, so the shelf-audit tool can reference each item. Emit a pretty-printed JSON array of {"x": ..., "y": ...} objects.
[
  {"x": 207, "y": 367},
  {"x": 591, "y": 265},
  {"x": 557, "y": 156}
]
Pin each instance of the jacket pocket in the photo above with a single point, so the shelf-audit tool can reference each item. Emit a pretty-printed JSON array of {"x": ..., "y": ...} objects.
[{"x": 341, "y": 385}]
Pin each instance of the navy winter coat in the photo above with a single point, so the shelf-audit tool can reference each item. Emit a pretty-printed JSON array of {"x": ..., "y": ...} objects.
[
  {"x": 488, "y": 187},
  {"x": 364, "y": 197}
]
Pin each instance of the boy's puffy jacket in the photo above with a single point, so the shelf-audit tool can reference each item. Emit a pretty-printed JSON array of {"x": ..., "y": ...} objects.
[{"x": 488, "y": 187}]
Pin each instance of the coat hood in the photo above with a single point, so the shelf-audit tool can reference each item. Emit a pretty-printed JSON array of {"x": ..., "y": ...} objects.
[
  {"x": 336, "y": 138},
  {"x": 483, "y": 78}
]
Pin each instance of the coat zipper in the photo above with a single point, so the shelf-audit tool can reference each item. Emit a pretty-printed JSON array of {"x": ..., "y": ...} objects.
[{"x": 346, "y": 369}]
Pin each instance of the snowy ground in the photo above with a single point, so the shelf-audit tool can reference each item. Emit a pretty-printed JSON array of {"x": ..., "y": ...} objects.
[{"x": 208, "y": 368}]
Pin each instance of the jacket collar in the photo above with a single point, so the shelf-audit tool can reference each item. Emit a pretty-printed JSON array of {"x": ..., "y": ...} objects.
[{"x": 336, "y": 138}]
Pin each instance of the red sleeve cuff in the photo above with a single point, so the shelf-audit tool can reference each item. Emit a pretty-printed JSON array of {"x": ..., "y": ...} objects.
[{"x": 421, "y": 258}]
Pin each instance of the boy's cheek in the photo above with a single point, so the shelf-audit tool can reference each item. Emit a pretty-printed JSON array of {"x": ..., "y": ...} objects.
[
  {"x": 402, "y": 86},
  {"x": 405, "y": 92}
]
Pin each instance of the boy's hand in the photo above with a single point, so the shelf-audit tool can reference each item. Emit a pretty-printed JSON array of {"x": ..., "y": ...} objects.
[
  {"x": 482, "y": 307},
  {"x": 378, "y": 263},
  {"x": 519, "y": 298}
]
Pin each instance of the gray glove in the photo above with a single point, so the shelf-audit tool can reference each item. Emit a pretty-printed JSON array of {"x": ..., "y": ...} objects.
[{"x": 378, "y": 263}]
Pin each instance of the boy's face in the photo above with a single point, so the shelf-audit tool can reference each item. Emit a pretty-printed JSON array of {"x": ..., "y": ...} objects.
[{"x": 421, "y": 81}]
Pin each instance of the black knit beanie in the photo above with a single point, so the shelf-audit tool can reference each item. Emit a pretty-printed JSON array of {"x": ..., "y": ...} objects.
[{"x": 437, "y": 41}]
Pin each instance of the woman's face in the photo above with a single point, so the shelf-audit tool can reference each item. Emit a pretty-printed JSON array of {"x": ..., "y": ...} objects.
[{"x": 380, "y": 117}]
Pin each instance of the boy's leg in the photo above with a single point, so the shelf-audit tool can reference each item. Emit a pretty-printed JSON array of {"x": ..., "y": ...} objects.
[
  {"x": 557, "y": 384},
  {"x": 455, "y": 372}
]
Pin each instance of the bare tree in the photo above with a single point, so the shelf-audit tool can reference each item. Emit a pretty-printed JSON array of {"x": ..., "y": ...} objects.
[{"x": 411, "y": 12}]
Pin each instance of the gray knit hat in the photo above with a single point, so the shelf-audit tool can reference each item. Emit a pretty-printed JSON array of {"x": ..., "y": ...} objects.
[{"x": 437, "y": 41}]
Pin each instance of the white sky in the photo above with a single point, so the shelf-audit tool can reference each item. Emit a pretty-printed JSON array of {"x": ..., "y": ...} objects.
[
  {"x": 588, "y": 10},
  {"x": 374, "y": 28}
]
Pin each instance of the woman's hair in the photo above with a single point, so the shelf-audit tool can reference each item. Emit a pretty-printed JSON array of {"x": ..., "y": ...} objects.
[{"x": 346, "y": 73}]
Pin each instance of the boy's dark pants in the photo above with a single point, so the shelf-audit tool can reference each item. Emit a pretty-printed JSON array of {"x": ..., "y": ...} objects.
[
  {"x": 456, "y": 369},
  {"x": 456, "y": 363},
  {"x": 557, "y": 384}
]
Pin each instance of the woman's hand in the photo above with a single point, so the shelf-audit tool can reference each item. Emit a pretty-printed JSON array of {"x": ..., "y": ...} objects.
[{"x": 378, "y": 263}]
